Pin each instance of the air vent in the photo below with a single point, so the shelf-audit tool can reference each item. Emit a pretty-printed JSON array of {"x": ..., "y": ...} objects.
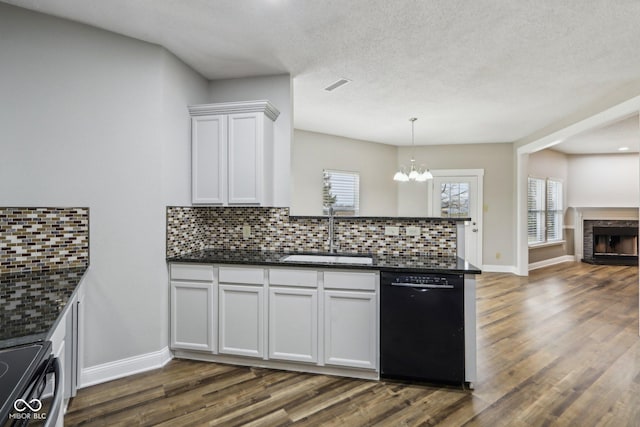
[{"x": 335, "y": 85}]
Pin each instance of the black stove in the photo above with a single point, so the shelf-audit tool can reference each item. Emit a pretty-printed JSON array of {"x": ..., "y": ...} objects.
[{"x": 20, "y": 368}]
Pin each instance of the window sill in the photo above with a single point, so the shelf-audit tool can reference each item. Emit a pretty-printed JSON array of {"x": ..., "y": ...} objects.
[{"x": 546, "y": 244}]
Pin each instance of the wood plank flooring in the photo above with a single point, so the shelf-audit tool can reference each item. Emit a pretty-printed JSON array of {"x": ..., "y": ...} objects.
[{"x": 557, "y": 348}]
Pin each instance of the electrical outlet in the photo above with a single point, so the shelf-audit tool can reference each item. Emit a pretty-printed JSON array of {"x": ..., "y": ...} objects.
[
  {"x": 391, "y": 231},
  {"x": 246, "y": 231},
  {"x": 498, "y": 255},
  {"x": 413, "y": 231}
]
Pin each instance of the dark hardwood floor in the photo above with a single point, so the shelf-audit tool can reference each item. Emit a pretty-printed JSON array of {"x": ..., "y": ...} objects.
[{"x": 559, "y": 347}]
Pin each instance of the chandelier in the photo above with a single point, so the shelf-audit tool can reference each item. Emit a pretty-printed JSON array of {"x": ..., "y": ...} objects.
[{"x": 415, "y": 174}]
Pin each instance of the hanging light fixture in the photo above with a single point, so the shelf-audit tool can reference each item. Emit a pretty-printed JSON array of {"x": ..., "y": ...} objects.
[{"x": 415, "y": 174}]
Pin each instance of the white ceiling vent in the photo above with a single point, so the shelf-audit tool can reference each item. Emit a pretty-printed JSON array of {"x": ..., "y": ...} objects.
[{"x": 335, "y": 85}]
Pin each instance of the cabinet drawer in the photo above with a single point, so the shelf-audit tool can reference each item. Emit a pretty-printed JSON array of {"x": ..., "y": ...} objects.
[
  {"x": 365, "y": 281},
  {"x": 245, "y": 275},
  {"x": 201, "y": 272},
  {"x": 293, "y": 277}
]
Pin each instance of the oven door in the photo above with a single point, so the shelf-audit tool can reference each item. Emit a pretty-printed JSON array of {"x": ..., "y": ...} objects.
[{"x": 32, "y": 408}]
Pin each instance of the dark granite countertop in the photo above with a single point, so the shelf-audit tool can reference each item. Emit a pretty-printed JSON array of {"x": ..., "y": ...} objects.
[
  {"x": 418, "y": 264},
  {"x": 31, "y": 303}
]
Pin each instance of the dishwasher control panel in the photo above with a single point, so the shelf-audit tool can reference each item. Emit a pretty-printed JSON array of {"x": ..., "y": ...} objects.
[{"x": 422, "y": 279}]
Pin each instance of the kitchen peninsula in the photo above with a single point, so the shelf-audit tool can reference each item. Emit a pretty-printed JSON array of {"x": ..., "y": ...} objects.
[{"x": 242, "y": 300}]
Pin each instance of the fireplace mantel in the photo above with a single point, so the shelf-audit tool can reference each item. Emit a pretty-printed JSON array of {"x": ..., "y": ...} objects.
[{"x": 604, "y": 213}]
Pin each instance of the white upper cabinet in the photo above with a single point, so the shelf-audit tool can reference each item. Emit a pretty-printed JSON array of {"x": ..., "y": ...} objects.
[
  {"x": 232, "y": 153},
  {"x": 209, "y": 159}
]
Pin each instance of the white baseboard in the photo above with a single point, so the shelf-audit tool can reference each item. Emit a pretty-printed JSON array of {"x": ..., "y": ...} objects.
[
  {"x": 551, "y": 261},
  {"x": 124, "y": 367},
  {"x": 499, "y": 268}
]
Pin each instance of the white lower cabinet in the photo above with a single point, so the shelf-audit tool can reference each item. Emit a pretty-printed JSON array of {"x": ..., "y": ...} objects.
[
  {"x": 192, "y": 306},
  {"x": 350, "y": 329},
  {"x": 193, "y": 301},
  {"x": 293, "y": 324},
  {"x": 241, "y": 321},
  {"x": 322, "y": 320}
]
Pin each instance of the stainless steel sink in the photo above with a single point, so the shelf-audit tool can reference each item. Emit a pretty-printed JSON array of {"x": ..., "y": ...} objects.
[{"x": 332, "y": 259}]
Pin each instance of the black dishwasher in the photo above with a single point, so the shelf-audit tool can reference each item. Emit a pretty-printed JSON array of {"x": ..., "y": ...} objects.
[{"x": 422, "y": 327}]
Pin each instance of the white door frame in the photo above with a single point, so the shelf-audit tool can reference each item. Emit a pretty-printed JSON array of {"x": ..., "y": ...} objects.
[{"x": 476, "y": 173}]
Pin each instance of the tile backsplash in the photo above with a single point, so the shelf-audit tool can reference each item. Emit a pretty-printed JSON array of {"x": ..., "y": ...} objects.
[
  {"x": 192, "y": 228},
  {"x": 38, "y": 239}
]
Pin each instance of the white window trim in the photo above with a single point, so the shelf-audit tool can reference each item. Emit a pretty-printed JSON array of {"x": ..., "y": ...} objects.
[{"x": 545, "y": 244}]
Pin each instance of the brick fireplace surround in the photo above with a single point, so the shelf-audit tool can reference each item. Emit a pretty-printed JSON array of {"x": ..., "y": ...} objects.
[{"x": 588, "y": 226}]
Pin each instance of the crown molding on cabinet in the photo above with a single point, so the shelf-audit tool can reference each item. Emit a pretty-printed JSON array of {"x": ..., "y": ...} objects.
[{"x": 262, "y": 106}]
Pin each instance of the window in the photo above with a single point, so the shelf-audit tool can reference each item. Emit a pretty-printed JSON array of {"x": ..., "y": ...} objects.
[
  {"x": 454, "y": 200},
  {"x": 342, "y": 191},
  {"x": 544, "y": 210}
]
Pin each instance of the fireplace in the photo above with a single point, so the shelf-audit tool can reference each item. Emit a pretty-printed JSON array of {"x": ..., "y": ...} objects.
[{"x": 611, "y": 242}]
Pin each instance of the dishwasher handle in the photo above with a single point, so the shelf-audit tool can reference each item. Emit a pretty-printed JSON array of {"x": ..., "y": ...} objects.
[{"x": 422, "y": 286}]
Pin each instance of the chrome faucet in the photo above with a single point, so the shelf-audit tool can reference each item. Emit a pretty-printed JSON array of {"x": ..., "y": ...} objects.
[{"x": 331, "y": 225}]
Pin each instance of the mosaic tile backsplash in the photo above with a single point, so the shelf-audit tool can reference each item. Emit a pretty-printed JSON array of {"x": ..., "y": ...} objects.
[
  {"x": 193, "y": 228},
  {"x": 40, "y": 239}
]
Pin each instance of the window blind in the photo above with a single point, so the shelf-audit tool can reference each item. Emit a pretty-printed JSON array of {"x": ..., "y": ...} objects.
[
  {"x": 554, "y": 210},
  {"x": 345, "y": 186},
  {"x": 544, "y": 210},
  {"x": 535, "y": 210}
]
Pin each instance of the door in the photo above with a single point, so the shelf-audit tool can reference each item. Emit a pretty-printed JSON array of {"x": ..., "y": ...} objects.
[
  {"x": 209, "y": 159},
  {"x": 458, "y": 194},
  {"x": 293, "y": 324},
  {"x": 245, "y": 158},
  {"x": 350, "y": 329},
  {"x": 241, "y": 320},
  {"x": 192, "y": 316}
]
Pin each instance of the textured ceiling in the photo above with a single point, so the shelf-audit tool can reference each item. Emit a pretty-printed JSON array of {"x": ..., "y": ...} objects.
[{"x": 471, "y": 71}]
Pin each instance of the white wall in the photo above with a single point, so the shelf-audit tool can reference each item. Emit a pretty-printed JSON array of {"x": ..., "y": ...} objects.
[
  {"x": 499, "y": 191},
  {"x": 279, "y": 91},
  {"x": 91, "y": 118},
  {"x": 312, "y": 152},
  {"x": 604, "y": 180},
  {"x": 549, "y": 164}
]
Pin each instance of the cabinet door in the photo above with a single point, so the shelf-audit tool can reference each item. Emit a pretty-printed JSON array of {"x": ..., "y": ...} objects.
[
  {"x": 209, "y": 159},
  {"x": 192, "y": 325},
  {"x": 246, "y": 158},
  {"x": 241, "y": 322},
  {"x": 350, "y": 331},
  {"x": 293, "y": 324}
]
